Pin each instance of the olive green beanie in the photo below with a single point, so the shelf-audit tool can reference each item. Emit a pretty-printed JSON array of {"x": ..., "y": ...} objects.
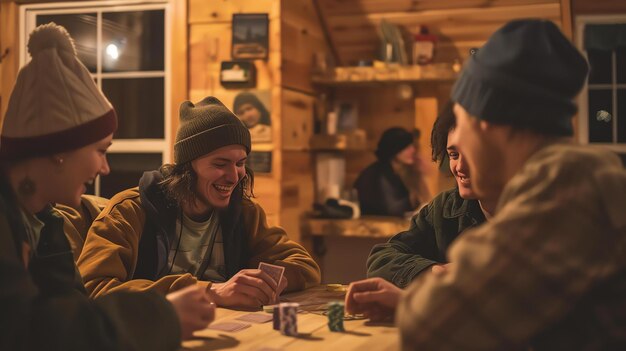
[{"x": 205, "y": 127}]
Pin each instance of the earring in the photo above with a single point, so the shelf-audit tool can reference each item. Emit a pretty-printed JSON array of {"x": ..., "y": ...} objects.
[
  {"x": 59, "y": 160},
  {"x": 26, "y": 187}
]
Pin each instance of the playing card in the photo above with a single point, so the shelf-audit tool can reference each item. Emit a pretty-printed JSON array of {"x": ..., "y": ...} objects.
[
  {"x": 229, "y": 326},
  {"x": 255, "y": 318},
  {"x": 275, "y": 272}
]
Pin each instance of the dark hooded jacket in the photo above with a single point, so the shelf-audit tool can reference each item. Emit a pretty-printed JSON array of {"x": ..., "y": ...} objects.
[
  {"x": 43, "y": 301},
  {"x": 425, "y": 243}
]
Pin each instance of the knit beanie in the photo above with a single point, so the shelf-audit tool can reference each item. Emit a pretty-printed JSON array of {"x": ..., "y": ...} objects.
[
  {"x": 525, "y": 76},
  {"x": 55, "y": 106},
  {"x": 205, "y": 127},
  {"x": 392, "y": 141},
  {"x": 250, "y": 98}
]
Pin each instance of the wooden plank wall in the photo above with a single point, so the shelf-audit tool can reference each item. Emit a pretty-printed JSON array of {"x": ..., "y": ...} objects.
[
  {"x": 460, "y": 24},
  {"x": 288, "y": 191},
  {"x": 9, "y": 42},
  {"x": 210, "y": 33},
  {"x": 598, "y": 7},
  {"x": 302, "y": 35}
]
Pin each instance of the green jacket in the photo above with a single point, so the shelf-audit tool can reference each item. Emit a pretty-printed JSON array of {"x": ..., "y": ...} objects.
[
  {"x": 425, "y": 243},
  {"x": 43, "y": 302}
]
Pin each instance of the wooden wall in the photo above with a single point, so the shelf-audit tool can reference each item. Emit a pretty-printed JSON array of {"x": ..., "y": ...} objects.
[
  {"x": 460, "y": 24},
  {"x": 598, "y": 7},
  {"x": 9, "y": 42},
  {"x": 287, "y": 191},
  {"x": 210, "y": 33},
  {"x": 302, "y": 35}
]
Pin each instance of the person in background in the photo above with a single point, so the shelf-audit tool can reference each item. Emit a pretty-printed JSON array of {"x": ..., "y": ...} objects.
[
  {"x": 193, "y": 223},
  {"x": 394, "y": 185},
  {"x": 548, "y": 270},
  {"x": 254, "y": 115},
  {"x": 437, "y": 224},
  {"x": 56, "y": 132}
]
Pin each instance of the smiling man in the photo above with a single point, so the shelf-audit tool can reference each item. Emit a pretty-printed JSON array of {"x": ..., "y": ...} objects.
[
  {"x": 548, "y": 270},
  {"x": 437, "y": 224},
  {"x": 193, "y": 223}
]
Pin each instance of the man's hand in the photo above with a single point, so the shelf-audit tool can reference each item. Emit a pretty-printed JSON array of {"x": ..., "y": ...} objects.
[
  {"x": 194, "y": 309},
  {"x": 249, "y": 288},
  {"x": 439, "y": 269},
  {"x": 375, "y": 298}
]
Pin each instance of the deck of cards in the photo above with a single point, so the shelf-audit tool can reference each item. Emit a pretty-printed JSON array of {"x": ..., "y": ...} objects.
[{"x": 275, "y": 272}]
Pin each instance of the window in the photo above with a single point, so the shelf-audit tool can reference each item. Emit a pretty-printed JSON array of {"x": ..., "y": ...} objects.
[
  {"x": 602, "y": 114},
  {"x": 124, "y": 44}
]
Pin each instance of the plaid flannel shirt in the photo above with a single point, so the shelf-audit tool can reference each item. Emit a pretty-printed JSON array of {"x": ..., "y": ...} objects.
[{"x": 548, "y": 272}]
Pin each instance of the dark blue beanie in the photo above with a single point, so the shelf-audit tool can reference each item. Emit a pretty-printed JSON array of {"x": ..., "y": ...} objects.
[{"x": 527, "y": 76}]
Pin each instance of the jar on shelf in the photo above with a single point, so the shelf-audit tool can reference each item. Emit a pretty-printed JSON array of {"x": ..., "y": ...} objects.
[{"x": 424, "y": 47}]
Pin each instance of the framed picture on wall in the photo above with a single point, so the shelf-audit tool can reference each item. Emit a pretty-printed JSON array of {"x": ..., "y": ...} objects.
[
  {"x": 250, "y": 36},
  {"x": 254, "y": 110},
  {"x": 260, "y": 161}
]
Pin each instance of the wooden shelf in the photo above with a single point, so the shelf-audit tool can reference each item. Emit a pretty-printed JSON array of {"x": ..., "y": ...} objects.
[
  {"x": 371, "y": 76},
  {"x": 354, "y": 141},
  {"x": 364, "y": 227}
]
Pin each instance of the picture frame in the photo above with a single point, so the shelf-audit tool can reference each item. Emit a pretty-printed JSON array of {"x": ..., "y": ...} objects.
[
  {"x": 250, "y": 36},
  {"x": 260, "y": 161}
]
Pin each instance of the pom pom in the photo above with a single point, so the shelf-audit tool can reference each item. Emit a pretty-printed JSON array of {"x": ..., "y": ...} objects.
[{"x": 48, "y": 36}]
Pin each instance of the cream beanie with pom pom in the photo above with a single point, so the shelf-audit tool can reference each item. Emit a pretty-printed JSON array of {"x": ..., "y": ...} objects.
[{"x": 55, "y": 105}]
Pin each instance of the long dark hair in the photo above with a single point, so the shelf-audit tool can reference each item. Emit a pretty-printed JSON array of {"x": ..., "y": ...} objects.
[
  {"x": 444, "y": 123},
  {"x": 179, "y": 182}
]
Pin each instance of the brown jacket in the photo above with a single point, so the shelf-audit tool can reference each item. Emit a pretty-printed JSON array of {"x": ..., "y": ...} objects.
[
  {"x": 76, "y": 222},
  {"x": 548, "y": 271},
  {"x": 110, "y": 256}
]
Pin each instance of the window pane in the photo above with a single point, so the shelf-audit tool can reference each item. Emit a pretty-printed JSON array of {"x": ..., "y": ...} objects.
[
  {"x": 621, "y": 65},
  {"x": 82, "y": 28},
  {"x": 600, "y": 127},
  {"x": 621, "y": 115},
  {"x": 600, "y": 62},
  {"x": 139, "y": 103},
  {"x": 133, "y": 41},
  {"x": 126, "y": 169}
]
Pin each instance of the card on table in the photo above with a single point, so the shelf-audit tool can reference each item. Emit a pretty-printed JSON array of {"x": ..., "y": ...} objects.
[
  {"x": 255, "y": 318},
  {"x": 274, "y": 271},
  {"x": 230, "y": 326}
]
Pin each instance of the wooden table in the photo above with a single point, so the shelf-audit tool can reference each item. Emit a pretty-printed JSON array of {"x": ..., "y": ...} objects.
[{"x": 312, "y": 328}]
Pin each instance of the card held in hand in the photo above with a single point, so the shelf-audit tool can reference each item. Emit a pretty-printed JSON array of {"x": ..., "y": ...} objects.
[{"x": 274, "y": 271}]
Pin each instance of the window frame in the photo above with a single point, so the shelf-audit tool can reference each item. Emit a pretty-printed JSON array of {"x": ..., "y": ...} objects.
[
  {"x": 583, "y": 99},
  {"x": 27, "y": 21}
]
